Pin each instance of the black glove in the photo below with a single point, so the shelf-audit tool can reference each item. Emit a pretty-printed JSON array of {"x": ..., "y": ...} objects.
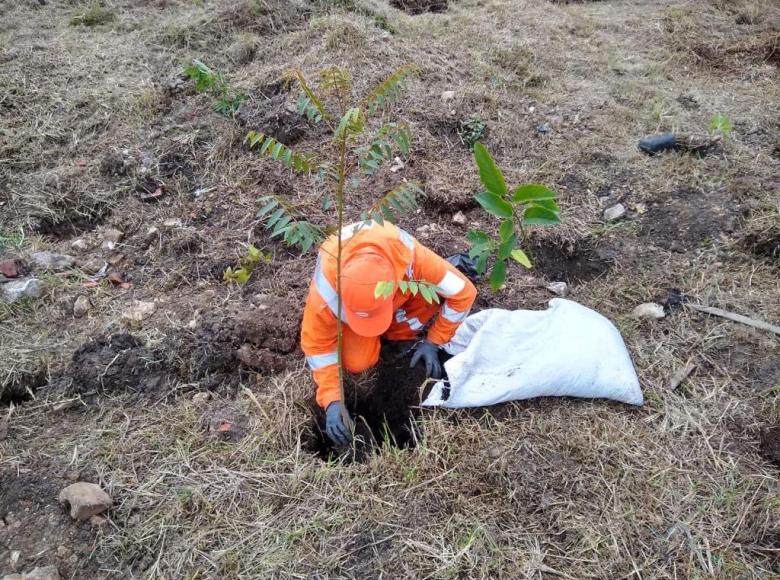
[
  {"x": 334, "y": 425},
  {"x": 428, "y": 352}
]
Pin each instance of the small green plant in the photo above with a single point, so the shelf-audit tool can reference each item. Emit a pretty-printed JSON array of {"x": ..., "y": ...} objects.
[
  {"x": 242, "y": 274},
  {"x": 526, "y": 205},
  {"x": 471, "y": 130},
  {"x": 94, "y": 16},
  {"x": 720, "y": 125},
  {"x": 227, "y": 100}
]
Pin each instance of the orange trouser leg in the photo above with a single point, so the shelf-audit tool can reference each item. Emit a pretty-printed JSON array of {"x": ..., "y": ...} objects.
[
  {"x": 360, "y": 352},
  {"x": 408, "y": 324}
]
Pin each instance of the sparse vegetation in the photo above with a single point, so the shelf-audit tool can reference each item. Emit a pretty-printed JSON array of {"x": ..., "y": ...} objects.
[
  {"x": 471, "y": 131},
  {"x": 95, "y": 15},
  {"x": 92, "y": 119},
  {"x": 242, "y": 274}
]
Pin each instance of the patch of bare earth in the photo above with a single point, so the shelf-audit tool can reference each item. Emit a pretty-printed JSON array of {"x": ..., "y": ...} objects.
[{"x": 197, "y": 414}]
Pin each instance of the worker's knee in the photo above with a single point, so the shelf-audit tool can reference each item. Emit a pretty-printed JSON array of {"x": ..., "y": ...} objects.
[{"x": 357, "y": 361}]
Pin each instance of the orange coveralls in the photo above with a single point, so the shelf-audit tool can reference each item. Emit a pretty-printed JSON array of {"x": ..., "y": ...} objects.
[{"x": 411, "y": 261}]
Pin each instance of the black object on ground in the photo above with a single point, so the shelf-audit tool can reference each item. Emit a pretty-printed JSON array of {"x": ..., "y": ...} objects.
[
  {"x": 465, "y": 265},
  {"x": 659, "y": 143}
]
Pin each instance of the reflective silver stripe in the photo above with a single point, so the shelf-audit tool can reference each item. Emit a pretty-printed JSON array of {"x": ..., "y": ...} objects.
[
  {"x": 319, "y": 361},
  {"x": 414, "y": 323},
  {"x": 451, "y": 284},
  {"x": 326, "y": 291},
  {"x": 453, "y": 315}
]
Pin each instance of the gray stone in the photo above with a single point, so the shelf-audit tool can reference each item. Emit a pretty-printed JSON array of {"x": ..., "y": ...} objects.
[
  {"x": 85, "y": 500},
  {"x": 81, "y": 306},
  {"x": 649, "y": 310},
  {"x": 615, "y": 212},
  {"x": 52, "y": 261},
  {"x": 27, "y": 288},
  {"x": 113, "y": 235},
  {"x": 447, "y": 96},
  {"x": 42, "y": 573},
  {"x": 138, "y": 312},
  {"x": 459, "y": 219},
  {"x": 558, "y": 288}
]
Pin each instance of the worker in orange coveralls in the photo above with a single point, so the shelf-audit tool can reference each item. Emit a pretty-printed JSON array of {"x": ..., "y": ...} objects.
[{"x": 371, "y": 253}]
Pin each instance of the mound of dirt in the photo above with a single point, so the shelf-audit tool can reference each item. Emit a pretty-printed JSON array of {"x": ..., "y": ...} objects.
[
  {"x": 764, "y": 243},
  {"x": 263, "y": 338},
  {"x": 265, "y": 16},
  {"x": 573, "y": 263},
  {"x": 117, "y": 363},
  {"x": 266, "y": 110}
]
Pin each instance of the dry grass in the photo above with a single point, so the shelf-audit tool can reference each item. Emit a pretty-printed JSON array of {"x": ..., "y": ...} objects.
[{"x": 551, "y": 488}]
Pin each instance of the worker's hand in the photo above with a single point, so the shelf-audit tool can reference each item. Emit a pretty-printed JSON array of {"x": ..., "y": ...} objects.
[
  {"x": 334, "y": 425},
  {"x": 428, "y": 352}
]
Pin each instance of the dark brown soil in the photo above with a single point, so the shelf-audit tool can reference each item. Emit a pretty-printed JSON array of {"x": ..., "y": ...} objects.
[
  {"x": 267, "y": 110},
  {"x": 420, "y": 6},
  {"x": 770, "y": 444},
  {"x": 33, "y": 523},
  {"x": 683, "y": 219},
  {"x": 764, "y": 244},
  {"x": 572, "y": 263},
  {"x": 263, "y": 338},
  {"x": 117, "y": 363},
  {"x": 383, "y": 404}
]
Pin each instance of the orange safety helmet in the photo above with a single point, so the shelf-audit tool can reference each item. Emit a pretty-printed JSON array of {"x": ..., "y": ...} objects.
[{"x": 366, "y": 314}]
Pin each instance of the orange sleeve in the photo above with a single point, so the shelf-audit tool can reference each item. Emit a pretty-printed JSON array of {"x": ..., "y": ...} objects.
[
  {"x": 319, "y": 343},
  {"x": 457, "y": 290}
]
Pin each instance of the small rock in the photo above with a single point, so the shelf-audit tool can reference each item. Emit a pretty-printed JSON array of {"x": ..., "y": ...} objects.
[
  {"x": 447, "y": 96},
  {"x": 615, "y": 212},
  {"x": 108, "y": 246},
  {"x": 200, "y": 399},
  {"x": 63, "y": 551},
  {"x": 649, "y": 310},
  {"x": 427, "y": 230},
  {"x": 542, "y": 127},
  {"x": 558, "y": 288},
  {"x": 397, "y": 165},
  {"x": 116, "y": 258},
  {"x": 116, "y": 279},
  {"x": 52, "y": 261},
  {"x": 93, "y": 265},
  {"x": 44, "y": 573},
  {"x": 80, "y": 245},
  {"x": 28, "y": 288},
  {"x": 113, "y": 235},
  {"x": 85, "y": 500},
  {"x": 172, "y": 223},
  {"x": 9, "y": 268},
  {"x": 138, "y": 312},
  {"x": 459, "y": 218},
  {"x": 81, "y": 306},
  {"x": 97, "y": 521}
]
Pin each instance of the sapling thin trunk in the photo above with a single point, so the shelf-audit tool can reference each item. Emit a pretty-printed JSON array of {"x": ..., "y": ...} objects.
[{"x": 339, "y": 226}]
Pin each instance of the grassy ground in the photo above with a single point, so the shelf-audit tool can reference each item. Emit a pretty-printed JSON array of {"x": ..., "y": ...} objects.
[{"x": 95, "y": 116}]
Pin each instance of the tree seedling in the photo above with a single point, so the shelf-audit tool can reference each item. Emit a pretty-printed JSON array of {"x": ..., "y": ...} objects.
[
  {"x": 526, "y": 205},
  {"x": 242, "y": 274},
  {"x": 226, "y": 99}
]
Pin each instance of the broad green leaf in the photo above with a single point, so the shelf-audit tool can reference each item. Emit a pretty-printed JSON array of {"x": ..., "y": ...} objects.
[
  {"x": 521, "y": 258},
  {"x": 482, "y": 263},
  {"x": 498, "y": 274},
  {"x": 506, "y": 247},
  {"x": 550, "y": 204},
  {"x": 494, "y": 204},
  {"x": 537, "y": 215},
  {"x": 253, "y": 253},
  {"x": 506, "y": 230},
  {"x": 477, "y": 237},
  {"x": 489, "y": 173},
  {"x": 426, "y": 293},
  {"x": 532, "y": 192}
]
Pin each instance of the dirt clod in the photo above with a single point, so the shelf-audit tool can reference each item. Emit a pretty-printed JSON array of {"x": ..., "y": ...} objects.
[
  {"x": 85, "y": 500},
  {"x": 117, "y": 363}
]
